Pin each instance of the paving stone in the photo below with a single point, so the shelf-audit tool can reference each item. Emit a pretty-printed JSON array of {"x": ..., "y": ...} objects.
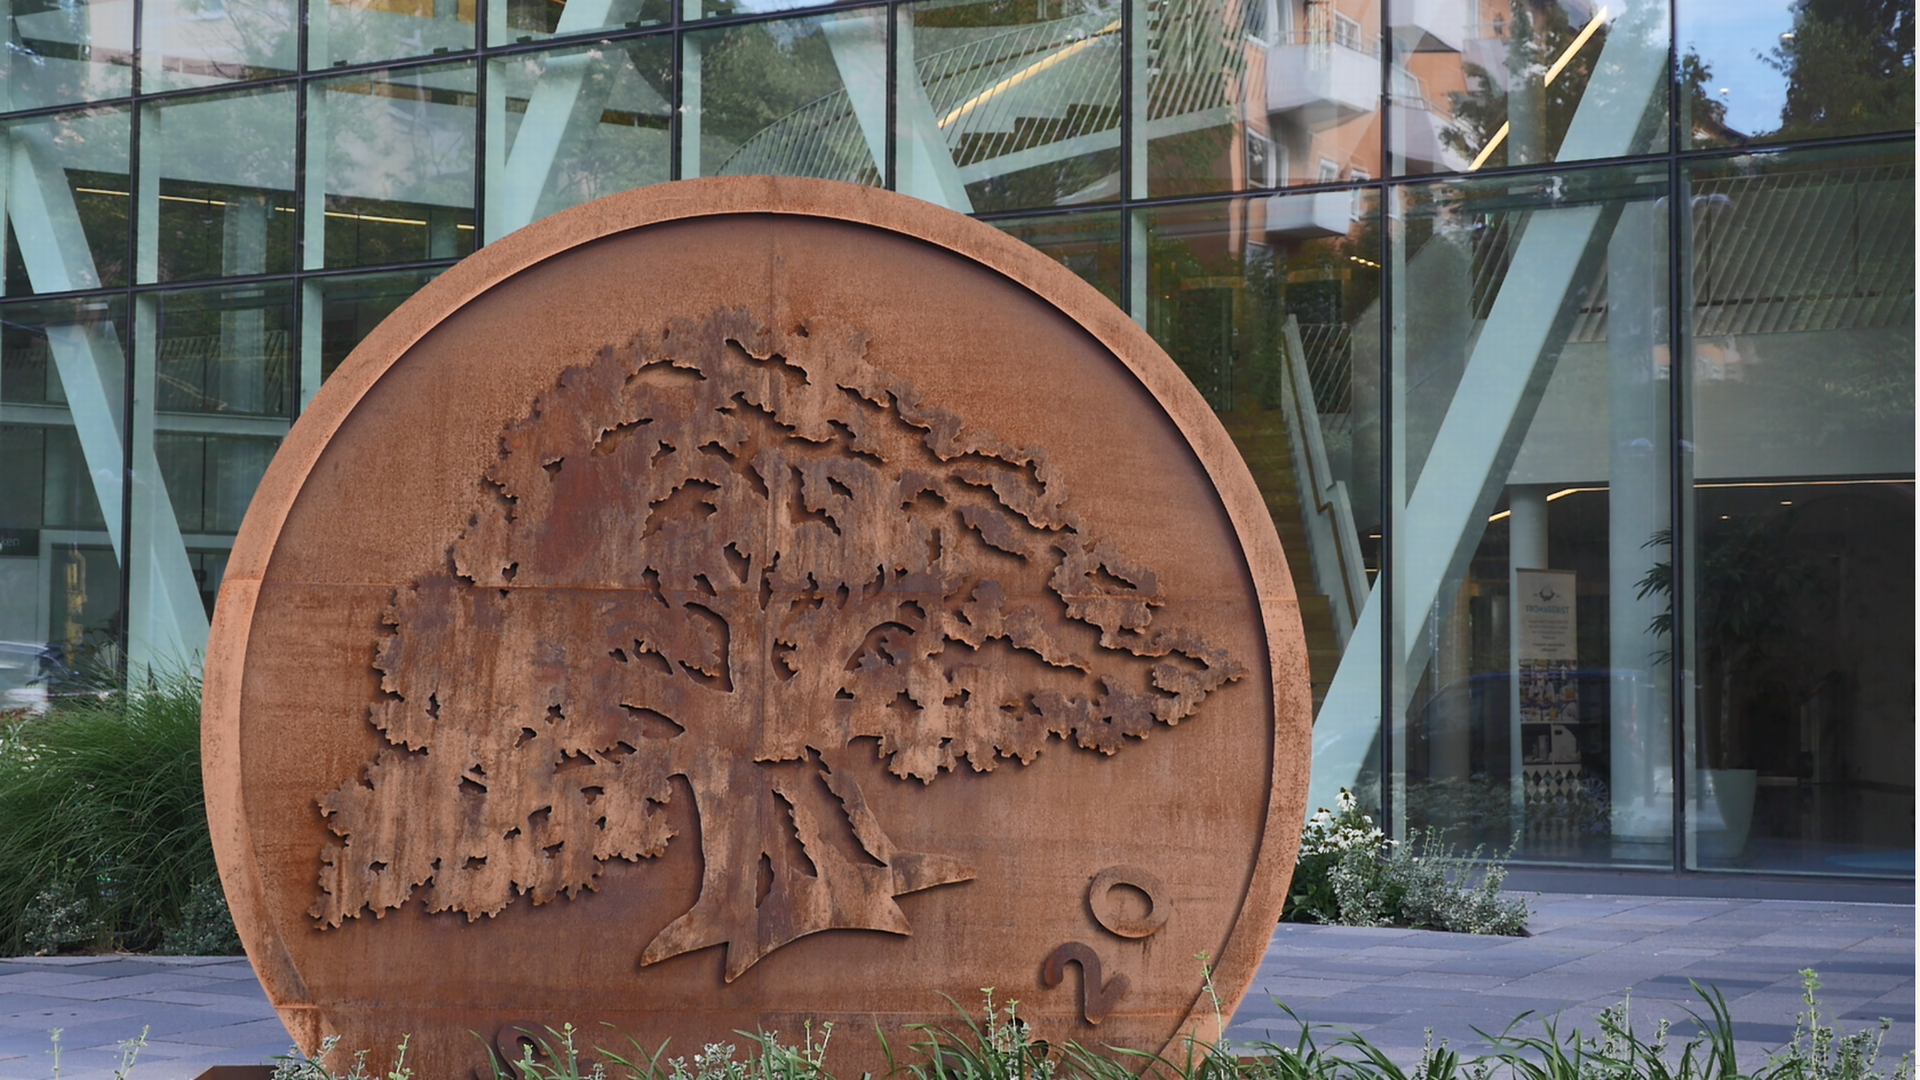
[{"x": 1388, "y": 985}]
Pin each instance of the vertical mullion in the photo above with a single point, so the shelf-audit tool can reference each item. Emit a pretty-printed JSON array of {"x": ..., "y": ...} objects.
[
  {"x": 1679, "y": 445},
  {"x": 481, "y": 16},
  {"x": 1390, "y": 656},
  {"x": 302, "y": 393},
  {"x": 890, "y": 175},
  {"x": 123, "y": 638},
  {"x": 675, "y": 100},
  {"x": 1128, "y": 35}
]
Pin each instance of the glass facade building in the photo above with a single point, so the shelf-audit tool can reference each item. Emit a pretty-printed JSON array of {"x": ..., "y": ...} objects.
[{"x": 1572, "y": 343}]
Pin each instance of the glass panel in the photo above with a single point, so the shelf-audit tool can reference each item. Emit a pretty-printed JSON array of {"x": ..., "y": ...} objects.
[
  {"x": 62, "y": 392},
  {"x": 1769, "y": 72},
  {"x": 1312, "y": 94},
  {"x": 64, "y": 51},
  {"x": 67, "y": 202},
  {"x": 224, "y": 351},
  {"x": 569, "y": 126},
  {"x": 1530, "y": 390},
  {"x": 343, "y": 32},
  {"x": 1272, "y": 307},
  {"x": 212, "y": 396},
  {"x": 341, "y": 311},
  {"x": 1481, "y": 86},
  {"x": 1086, "y": 243},
  {"x": 390, "y": 173},
  {"x": 220, "y": 170},
  {"x": 519, "y": 21},
  {"x": 1802, "y": 553},
  {"x": 187, "y": 43},
  {"x": 1006, "y": 106},
  {"x": 799, "y": 97}
]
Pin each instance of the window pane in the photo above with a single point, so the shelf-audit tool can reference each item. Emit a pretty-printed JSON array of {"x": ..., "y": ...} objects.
[
  {"x": 1561, "y": 81},
  {"x": 225, "y": 352},
  {"x": 1775, "y": 71},
  {"x": 1315, "y": 95},
  {"x": 517, "y": 21},
  {"x": 1086, "y": 243},
  {"x": 59, "y": 53},
  {"x": 341, "y": 311},
  {"x": 799, "y": 97},
  {"x": 1531, "y": 678},
  {"x": 188, "y": 43},
  {"x": 212, "y": 395},
  {"x": 1276, "y": 323},
  {"x": 223, "y": 186},
  {"x": 61, "y": 400},
  {"x": 67, "y": 223},
  {"x": 390, "y": 167},
  {"x": 1802, "y": 553},
  {"x": 569, "y": 126},
  {"x": 342, "y": 32},
  {"x": 1004, "y": 106}
]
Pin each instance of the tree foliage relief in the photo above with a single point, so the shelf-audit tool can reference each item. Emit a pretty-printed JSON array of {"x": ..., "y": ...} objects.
[{"x": 725, "y": 560}]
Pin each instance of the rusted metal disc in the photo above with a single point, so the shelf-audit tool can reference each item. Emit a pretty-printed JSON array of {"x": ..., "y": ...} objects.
[{"x": 746, "y": 602}]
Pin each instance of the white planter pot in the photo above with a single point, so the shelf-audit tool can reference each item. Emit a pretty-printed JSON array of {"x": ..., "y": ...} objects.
[{"x": 1725, "y": 802}]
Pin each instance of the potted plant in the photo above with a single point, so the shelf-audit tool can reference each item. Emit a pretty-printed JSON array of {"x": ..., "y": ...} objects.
[{"x": 1746, "y": 581}]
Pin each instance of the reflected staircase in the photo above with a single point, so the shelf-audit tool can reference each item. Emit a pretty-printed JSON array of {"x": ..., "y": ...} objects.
[
  {"x": 1266, "y": 444},
  {"x": 1285, "y": 451}
]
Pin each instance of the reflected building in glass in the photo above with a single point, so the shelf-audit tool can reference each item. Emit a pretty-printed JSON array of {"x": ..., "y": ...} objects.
[{"x": 1571, "y": 343}]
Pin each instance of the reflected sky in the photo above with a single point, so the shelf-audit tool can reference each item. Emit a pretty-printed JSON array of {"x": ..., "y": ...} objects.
[{"x": 1732, "y": 38}]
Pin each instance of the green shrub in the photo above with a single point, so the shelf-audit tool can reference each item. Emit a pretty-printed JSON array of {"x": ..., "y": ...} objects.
[
  {"x": 103, "y": 831},
  {"x": 1001, "y": 1047},
  {"x": 1350, "y": 874}
]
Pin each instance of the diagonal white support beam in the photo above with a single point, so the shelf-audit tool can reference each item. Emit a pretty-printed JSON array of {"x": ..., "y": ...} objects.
[
  {"x": 561, "y": 110},
  {"x": 1493, "y": 406},
  {"x": 90, "y": 361}
]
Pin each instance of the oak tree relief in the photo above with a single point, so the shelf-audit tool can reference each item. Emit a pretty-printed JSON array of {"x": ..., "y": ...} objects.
[{"x": 738, "y": 557}]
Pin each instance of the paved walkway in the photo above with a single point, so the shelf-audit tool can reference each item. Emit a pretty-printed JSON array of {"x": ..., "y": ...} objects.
[{"x": 1389, "y": 985}]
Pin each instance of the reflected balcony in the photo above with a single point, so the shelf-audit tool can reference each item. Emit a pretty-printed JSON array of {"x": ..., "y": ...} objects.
[
  {"x": 1310, "y": 216},
  {"x": 1430, "y": 25},
  {"x": 1330, "y": 74}
]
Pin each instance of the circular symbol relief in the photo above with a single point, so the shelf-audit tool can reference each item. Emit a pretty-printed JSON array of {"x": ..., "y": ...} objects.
[{"x": 741, "y": 603}]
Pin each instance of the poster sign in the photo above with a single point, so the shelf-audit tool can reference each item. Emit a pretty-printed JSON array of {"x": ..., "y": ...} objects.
[{"x": 1548, "y": 655}]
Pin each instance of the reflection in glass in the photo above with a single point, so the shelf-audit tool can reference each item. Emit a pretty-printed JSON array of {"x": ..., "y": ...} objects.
[
  {"x": 224, "y": 351},
  {"x": 799, "y": 97},
  {"x": 1312, "y": 90},
  {"x": 62, "y": 53},
  {"x": 221, "y": 172},
  {"x": 212, "y": 397},
  {"x": 61, "y": 419},
  {"x": 569, "y": 126},
  {"x": 1005, "y": 106},
  {"x": 1802, "y": 553},
  {"x": 341, "y": 311},
  {"x": 186, "y": 43},
  {"x": 1086, "y": 243},
  {"x": 390, "y": 167},
  {"x": 1774, "y": 72},
  {"x": 520, "y": 21},
  {"x": 1480, "y": 86},
  {"x": 1275, "y": 319},
  {"x": 67, "y": 202},
  {"x": 342, "y": 32},
  {"x": 1532, "y": 684}
]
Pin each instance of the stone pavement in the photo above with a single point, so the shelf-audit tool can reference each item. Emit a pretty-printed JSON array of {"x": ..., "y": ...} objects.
[
  {"x": 1390, "y": 985},
  {"x": 1587, "y": 953}
]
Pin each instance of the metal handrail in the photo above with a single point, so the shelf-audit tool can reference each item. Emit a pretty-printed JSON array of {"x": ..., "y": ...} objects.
[{"x": 1327, "y": 496}]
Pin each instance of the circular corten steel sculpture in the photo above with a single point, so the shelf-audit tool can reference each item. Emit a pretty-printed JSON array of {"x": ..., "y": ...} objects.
[{"x": 751, "y": 601}]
